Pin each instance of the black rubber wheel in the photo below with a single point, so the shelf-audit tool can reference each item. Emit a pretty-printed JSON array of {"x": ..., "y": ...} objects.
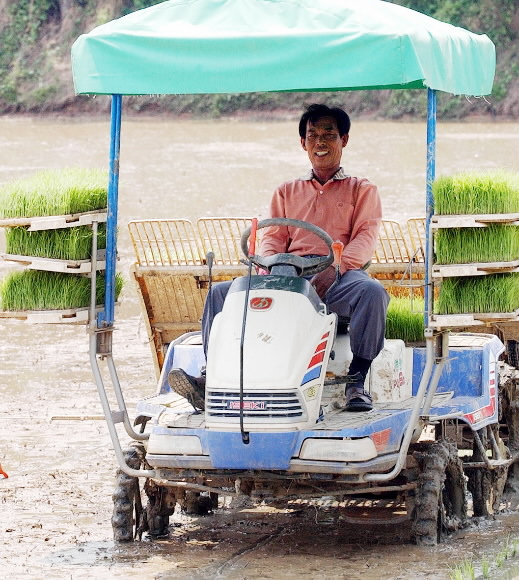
[
  {"x": 129, "y": 519},
  {"x": 512, "y": 352},
  {"x": 453, "y": 508},
  {"x": 161, "y": 505},
  {"x": 127, "y": 514},
  {"x": 199, "y": 504},
  {"x": 440, "y": 504},
  {"x": 486, "y": 485}
]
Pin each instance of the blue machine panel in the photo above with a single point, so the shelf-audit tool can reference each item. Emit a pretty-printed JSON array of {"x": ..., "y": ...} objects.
[
  {"x": 264, "y": 451},
  {"x": 462, "y": 373}
]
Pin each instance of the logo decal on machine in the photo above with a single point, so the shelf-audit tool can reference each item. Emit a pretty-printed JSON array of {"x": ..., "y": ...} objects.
[
  {"x": 260, "y": 303},
  {"x": 248, "y": 405},
  {"x": 316, "y": 362}
]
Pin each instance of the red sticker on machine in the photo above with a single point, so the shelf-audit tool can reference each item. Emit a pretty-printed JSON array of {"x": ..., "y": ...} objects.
[{"x": 260, "y": 303}]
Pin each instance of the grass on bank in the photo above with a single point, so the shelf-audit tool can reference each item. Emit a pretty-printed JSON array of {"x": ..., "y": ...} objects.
[
  {"x": 41, "y": 290},
  {"x": 479, "y": 294},
  {"x": 55, "y": 192},
  {"x": 495, "y": 243},
  {"x": 477, "y": 193},
  {"x": 62, "y": 244}
]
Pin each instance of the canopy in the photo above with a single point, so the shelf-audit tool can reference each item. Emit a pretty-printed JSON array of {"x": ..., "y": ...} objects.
[{"x": 236, "y": 46}]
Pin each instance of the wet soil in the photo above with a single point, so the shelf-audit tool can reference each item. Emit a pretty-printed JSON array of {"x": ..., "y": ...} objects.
[{"x": 56, "y": 504}]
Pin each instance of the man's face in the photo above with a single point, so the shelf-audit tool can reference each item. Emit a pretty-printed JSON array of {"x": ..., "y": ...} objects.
[{"x": 323, "y": 144}]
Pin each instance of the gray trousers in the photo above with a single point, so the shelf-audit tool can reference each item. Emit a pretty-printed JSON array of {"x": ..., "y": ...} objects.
[{"x": 356, "y": 296}]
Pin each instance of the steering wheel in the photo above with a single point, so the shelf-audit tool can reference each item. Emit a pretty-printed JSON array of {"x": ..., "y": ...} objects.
[{"x": 304, "y": 266}]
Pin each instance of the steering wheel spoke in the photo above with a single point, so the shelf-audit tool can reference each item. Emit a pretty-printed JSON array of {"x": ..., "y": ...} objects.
[{"x": 304, "y": 266}]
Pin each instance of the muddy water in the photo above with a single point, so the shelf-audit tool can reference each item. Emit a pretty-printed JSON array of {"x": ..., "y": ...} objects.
[{"x": 55, "y": 507}]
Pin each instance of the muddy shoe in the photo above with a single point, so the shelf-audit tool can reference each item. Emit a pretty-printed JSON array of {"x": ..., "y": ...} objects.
[
  {"x": 357, "y": 400},
  {"x": 191, "y": 388}
]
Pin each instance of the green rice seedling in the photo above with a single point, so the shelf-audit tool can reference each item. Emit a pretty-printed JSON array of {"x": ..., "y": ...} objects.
[
  {"x": 40, "y": 290},
  {"x": 507, "y": 549},
  {"x": 496, "y": 243},
  {"x": 62, "y": 244},
  {"x": 477, "y": 193},
  {"x": 485, "y": 567},
  {"x": 55, "y": 192},
  {"x": 479, "y": 294},
  {"x": 463, "y": 571},
  {"x": 405, "y": 319},
  {"x": 467, "y": 569},
  {"x": 456, "y": 573}
]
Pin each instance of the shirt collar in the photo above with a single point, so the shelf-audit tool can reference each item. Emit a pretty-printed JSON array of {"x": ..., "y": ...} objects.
[{"x": 339, "y": 175}]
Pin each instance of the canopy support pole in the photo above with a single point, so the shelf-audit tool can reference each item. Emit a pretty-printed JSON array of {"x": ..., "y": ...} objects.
[
  {"x": 429, "y": 200},
  {"x": 100, "y": 342},
  {"x": 427, "y": 387},
  {"x": 106, "y": 317}
]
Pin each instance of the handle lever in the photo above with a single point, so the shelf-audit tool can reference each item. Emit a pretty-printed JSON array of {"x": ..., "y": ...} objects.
[
  {"x": 338, "y": 249},
  {"x": 252, "y": 238}
]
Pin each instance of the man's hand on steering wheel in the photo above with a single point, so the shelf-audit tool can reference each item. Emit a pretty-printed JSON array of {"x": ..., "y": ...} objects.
[{"x": 322, "y": 281}]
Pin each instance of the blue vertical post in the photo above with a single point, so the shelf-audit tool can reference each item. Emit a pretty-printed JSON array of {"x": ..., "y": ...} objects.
[
  {"x": 429, "y": 200},
  {"x": 106, "y": 317}
]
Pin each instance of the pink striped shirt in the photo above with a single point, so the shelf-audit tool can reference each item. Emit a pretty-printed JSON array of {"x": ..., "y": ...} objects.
[{"x": 348, "y": 208}]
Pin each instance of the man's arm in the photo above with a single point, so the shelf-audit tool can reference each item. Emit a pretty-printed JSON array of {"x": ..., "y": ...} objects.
[
  {"x": 366, "y": 220},
  {"x": 359, "y": 250},
  {"x": 275, "y": 239}
]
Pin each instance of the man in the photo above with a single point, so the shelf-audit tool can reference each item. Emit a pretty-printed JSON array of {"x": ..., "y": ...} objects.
[{"x": 348, "y": 209}]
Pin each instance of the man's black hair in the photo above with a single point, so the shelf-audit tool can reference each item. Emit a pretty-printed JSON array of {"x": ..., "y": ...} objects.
[{"x": 316, "y": 111}]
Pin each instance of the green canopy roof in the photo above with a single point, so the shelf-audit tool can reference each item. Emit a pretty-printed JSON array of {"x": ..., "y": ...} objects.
[{"x": 234, "y": 46}]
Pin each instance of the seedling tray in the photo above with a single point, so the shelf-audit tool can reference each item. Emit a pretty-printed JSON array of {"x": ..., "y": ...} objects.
[
  {"x": 474, "y": 319},
  {"x": 71, "y": 316},
  {"x": 474, "y": 269},
  {"x": 56, "y": 222},
  {"x": 474, "y": 221},
  {"x": 55, "y": 265}
]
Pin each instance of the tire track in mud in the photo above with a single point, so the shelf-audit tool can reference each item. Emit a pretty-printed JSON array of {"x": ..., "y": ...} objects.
[{"x": 230, "y": 564}]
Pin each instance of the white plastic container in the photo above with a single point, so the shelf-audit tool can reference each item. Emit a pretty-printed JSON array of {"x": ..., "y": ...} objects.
[{"x": 391, "y": 374}]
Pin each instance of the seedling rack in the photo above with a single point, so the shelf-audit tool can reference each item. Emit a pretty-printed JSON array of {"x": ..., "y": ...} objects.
[{"x": 80, "y": 315}]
